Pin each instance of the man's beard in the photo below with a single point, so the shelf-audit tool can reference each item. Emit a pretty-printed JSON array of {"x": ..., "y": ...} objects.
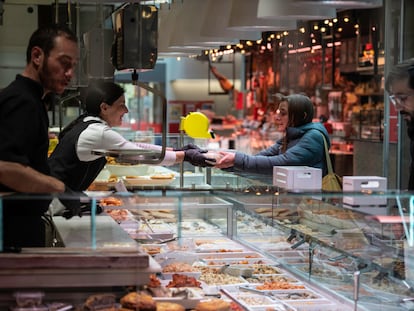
[
  {"x": 410, "y": 123},
  {"x": 45, "y": 75}
]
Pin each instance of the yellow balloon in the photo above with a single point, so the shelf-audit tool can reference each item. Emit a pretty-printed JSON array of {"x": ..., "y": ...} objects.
[{"x": 196, "y": 125}]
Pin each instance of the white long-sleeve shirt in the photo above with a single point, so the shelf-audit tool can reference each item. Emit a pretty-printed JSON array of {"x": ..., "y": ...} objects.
[{"x": 101, "y": 136}]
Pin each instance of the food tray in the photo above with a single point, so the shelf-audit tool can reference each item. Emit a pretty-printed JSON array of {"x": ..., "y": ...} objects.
[
  {"x": 212, "y": 286},
  {"x": 297, "y": 295},
  {"x": 219, "y": 248},
  {"x": 121, "y": 215},
  {"x": 384, "y": 287},
  {"x": 323, "y": 273},
  {"x": 230, "y": 255},
  {"x": 289, "y": 253},
  {"x": 265, "y": 269},
  {"x": 319, "y": 305},
  {"x": 156, "y": 226},
  {"x": 188, "y": 303},
  {"x": 254, "y": 288},
  {"x": 102, "y": 185},
  {"x": 198, "y": 227},
  {"x": 251, "y": 300},
  {"x": 28, "y": 299},
  {"x": 238, "y": 261},
  {"x": 261, "y": 278}
]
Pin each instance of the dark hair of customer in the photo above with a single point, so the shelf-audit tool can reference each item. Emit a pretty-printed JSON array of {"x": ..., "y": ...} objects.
[
  {"x": 45, "y": 39},
  {"x": 97, "y": 93},
  {"x": 300, "y": 109},
  {"x": 300, "y": 112}
]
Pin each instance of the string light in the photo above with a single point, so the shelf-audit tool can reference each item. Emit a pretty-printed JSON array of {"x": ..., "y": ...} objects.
[{"x": 297, "y": 40}]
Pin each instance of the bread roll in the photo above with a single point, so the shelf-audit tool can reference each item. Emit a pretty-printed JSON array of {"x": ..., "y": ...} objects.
[
  {"x": 138, "y": 302},
  {"x": 213, "y": 305},
  {"x": 169, "y": 306}
]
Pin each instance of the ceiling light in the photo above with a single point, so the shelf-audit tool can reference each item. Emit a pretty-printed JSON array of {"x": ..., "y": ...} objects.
[
  {"x": 167, "y": 15},
  {"x": 216, "y": 21},
  {"x": 282, "y": 9},
  {"x": 187, "y": 30},
  {"x": 243, "y": 17},
  {"x": 342, "y": 4}
]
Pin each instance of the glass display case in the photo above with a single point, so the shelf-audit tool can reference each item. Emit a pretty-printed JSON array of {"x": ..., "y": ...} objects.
[{"x": 290, "y": 250}]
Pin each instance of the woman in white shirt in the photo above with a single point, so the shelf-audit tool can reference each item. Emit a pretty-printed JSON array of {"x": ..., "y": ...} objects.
[{"x": 72, "y": 160}]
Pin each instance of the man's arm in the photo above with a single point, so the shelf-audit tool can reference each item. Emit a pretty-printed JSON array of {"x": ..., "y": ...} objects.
[{"x": 25, "y": 179}]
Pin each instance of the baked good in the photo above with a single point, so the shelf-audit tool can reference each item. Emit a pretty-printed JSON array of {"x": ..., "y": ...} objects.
[
  {"x": 100, "y": 301},
  {"x": 213, "y": 305},
  {"x": 138, "y": 301},
  {"x": 162, "y": 176},
  {"x": 169, "y": 306}
]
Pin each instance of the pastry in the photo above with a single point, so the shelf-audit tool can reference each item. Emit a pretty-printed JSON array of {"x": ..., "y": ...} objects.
[
  {"x": 169, "y": 306},
  {"x": 100, "y": 301},
  {"x": 213, "y": 305},
  {"x": 162, "y": 176},
  {"x": 138, "y": 301}
]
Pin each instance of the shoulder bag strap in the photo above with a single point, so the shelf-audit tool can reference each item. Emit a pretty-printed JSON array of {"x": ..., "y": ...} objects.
[{"x": 328, "y": 158}]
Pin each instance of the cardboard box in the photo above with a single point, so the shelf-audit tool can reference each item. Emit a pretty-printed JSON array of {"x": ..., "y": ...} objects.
[
  {"x": 297, "y": 178},
  {"x": 365, "y": 185}
]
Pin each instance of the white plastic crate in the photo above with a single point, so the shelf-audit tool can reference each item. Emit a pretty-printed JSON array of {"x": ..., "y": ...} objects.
[
  {"x": 297, "y": 178},
  {"x": 365, "y": 184}
]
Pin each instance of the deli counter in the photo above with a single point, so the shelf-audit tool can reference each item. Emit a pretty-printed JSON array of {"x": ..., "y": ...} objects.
[{"x": 249, "y": 243}]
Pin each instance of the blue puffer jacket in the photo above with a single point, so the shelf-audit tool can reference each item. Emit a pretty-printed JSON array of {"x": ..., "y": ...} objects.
[{"x": 305, "y": 148}]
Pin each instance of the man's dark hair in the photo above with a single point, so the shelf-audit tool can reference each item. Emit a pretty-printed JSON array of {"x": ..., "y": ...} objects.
[
  {"x": 45, "y": 38},
  {"x": 401, "y": 71}
]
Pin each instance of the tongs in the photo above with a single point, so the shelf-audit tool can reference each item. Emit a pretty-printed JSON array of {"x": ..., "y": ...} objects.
[
  {"x": 147, "y": 224},
  {"x": 155, "y": 241},
  {"x": 256, "y": 291}
]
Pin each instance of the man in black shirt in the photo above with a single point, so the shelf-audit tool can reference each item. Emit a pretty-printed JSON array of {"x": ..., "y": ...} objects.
[
  {"x": 400, "y": 86},
  {"x": 51, "y": 58}
]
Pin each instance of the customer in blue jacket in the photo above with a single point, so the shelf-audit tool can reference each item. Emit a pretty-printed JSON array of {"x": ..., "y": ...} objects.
[{"x": 302, "y": 144}]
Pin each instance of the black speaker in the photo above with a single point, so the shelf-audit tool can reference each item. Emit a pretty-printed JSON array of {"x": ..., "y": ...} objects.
[{"x": 136, "y": 32}]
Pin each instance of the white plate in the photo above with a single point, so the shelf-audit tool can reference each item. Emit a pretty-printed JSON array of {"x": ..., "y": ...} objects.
[
  {"x": 98, "y": 194},
  {"x": 129, "y": 170},
  {"x": 147, "y": 181}
]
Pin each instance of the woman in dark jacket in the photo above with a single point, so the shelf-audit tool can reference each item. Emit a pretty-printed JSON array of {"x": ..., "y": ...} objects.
[{"x": 302, "y": 144}]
